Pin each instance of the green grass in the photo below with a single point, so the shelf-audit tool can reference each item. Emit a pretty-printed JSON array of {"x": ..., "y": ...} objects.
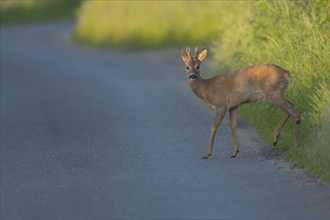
[
  {"x": 31, "y": 11},
  {"x": 316, "y": 150},
  {"x": 291, "y": 34},
  {"x": 147, "y": 24},
  {"x": 294, "y": 35}
]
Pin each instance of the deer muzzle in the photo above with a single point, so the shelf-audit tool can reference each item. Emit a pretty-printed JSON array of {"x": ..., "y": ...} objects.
[{"x": 192, "y": 76}]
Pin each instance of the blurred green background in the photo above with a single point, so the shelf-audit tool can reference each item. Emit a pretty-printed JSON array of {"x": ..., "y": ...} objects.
[
  {"x": 27, "y": 11},
  {"x": 291, "y": 34}
]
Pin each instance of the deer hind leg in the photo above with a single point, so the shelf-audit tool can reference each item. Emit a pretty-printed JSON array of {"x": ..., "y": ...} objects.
[
  {"x": 279, "y": 128},
  {"x": 288, "y": 108},
  {"x": 219, "y": 115},
  {"x": 233, "y": 119}
]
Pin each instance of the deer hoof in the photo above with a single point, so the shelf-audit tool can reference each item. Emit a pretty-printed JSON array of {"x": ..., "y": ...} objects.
[
  {"x": 206, "y": 157},
  {"x": 234, "y": 155},
  {"x": 275, "y": 139}
]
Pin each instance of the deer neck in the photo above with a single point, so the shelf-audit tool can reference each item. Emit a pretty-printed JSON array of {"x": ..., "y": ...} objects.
[{"x": 198, "y": 86}]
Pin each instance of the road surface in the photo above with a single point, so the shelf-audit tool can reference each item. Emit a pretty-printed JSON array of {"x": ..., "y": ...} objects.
[{"x": 95, "y": 134}]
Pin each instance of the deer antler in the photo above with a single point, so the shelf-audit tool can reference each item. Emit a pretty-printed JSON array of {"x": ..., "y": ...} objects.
[
  {"x": 188, "y": 51},
  {"x": 195, "y": 55}
]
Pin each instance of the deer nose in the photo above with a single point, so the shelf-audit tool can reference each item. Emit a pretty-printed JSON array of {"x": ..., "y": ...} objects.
[{"x": 192, "y": 76}]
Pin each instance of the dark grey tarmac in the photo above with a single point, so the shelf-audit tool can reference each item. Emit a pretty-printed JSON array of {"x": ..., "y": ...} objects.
[{"x": 96, "y": 134}]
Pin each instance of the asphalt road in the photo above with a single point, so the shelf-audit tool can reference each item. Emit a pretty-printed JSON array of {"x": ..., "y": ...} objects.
[{"x": 94, "y": 134}]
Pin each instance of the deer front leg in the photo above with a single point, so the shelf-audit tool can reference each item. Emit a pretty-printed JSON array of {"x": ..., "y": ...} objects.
[
  {"x": 233, "y": 119},
  {"x": 219, "y": 115}
]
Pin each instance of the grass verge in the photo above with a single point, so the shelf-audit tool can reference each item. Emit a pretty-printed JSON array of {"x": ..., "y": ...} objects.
[
  {"x": 30, "y": 11},
  {"x": 294, "y": 35}
]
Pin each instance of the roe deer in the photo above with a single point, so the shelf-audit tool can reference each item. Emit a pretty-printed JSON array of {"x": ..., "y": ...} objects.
[{"x": 228, "y": 92}]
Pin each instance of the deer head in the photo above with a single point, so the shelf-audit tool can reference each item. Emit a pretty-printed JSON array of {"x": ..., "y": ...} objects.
[{"x": 193, "y": 63}]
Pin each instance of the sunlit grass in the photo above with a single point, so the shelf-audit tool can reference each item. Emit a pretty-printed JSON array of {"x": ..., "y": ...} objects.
[
  {"x": 294, "y": 35},
  {"x": 145, "y": 24}
]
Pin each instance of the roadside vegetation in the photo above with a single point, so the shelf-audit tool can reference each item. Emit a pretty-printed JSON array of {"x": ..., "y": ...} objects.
[
  {"x": 294, "y": 35},
  {"x": 31, "y": 11},
  {"x": 146, "y": 24}
]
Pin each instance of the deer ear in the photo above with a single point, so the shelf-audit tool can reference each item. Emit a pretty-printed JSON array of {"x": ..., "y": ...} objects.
[
  {"x": 184, "y": 55},
  {"x": 202, "y": 55}
]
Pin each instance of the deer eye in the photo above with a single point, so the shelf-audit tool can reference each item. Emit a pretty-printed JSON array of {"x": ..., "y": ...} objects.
[
  {"x": 197, "y": 67},
  {"x": 187, "y": 67}
]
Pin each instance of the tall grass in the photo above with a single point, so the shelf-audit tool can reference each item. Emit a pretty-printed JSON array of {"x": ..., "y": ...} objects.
[
  {"x": 27, "y": 11},
  {"x": 317, "y": 149},
  {"x": 294, "y": 35},
  {"x": 291, "y": 34}
]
